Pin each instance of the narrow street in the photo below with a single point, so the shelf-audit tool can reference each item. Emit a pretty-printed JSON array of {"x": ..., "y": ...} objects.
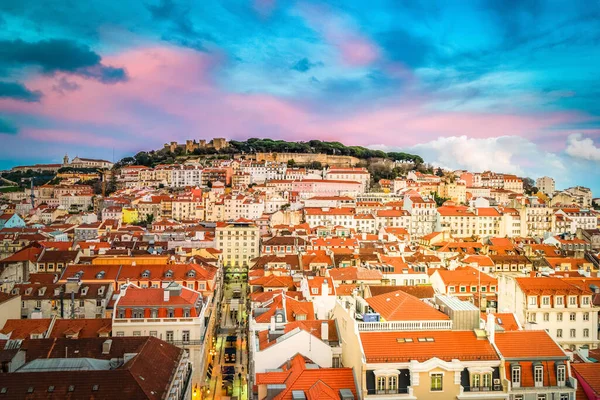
[{"x": 230, "y": 355}]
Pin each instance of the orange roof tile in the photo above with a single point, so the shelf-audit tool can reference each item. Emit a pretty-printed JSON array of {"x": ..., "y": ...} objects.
[
  {"x": 406, "y": 346},
  {"x": 401, "y": 306}
]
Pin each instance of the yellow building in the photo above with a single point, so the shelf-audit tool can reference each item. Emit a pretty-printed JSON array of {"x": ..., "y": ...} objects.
[{"x": 130, "y": 215}]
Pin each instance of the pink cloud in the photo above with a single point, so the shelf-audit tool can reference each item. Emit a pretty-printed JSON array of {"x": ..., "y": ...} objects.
[{"x": 171, "y": 96}]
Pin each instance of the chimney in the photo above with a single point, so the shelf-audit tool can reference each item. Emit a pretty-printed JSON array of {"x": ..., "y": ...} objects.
[
  {"x": 325, "y": 331},
  {"x": 272, "y": 324},
  {"x": 532, "y": 274},
  {"x": 166, "y": 295},
  {"x": 491, "y": 327},
  {"x": 106, "y": 346},
  {"x": 324, "y": 288}
]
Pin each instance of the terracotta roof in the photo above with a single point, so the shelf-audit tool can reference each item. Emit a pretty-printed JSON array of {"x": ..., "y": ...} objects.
[
  {"x": 401, "y": 306},
  {"x": 24, "y": 328},
  {"x": 355, "y": 274},
  {"x": 312, "y": 327},
  {"x": 135, "y": 296},
  {"x": 421, "y": 292},
  {"x": 146, "y": 375},
  {"x": 590, "y": 374},
  {"x": 526, "y": 344},
  {"x": 316, "y": 383},
  {"x": 465, "y": 276},
  {"x": 81, "y": 328},
  {"x": 30, "y": 254},
  {"x": 507, "y": 321},
  {"x": 405, "y": 346}
]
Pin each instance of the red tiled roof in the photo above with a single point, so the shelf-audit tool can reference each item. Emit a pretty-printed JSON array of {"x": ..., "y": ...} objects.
[
  {"x": 135, "y": 296},
  {"x": 316, "y": 383},
  {"x": 24, "y": 328},
  {"x": 446, "y": 345},
  {"x": 526, "y": 344},
  {"x": 81, "y": 328},
  {"x": 590, "y": 374},
  {"x": 401, "y": 306},
  {"x": 355, "y": 274}
]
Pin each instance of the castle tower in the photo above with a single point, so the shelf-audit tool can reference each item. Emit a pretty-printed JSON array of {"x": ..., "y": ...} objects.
[{"x": 66, "y": 159}]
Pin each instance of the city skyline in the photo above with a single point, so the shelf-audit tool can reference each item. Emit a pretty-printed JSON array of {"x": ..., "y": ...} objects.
[{"x": 503, "y": 86}]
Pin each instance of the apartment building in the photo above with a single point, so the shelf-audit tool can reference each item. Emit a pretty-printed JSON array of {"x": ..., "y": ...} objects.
[
  {"x": 175, "y": 314},
  {"x": 546, "y": 185},
  {"x": 239, "y": 241},
  {"x": 562, "y": 307}
]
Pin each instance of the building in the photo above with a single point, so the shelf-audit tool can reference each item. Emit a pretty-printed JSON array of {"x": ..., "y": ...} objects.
[
  {"x": 174, "y": 314},
  {"x": 534, "y": 366},
  {"x": 98, "y": 368},
  {"x": 239, "y": 241},
  {"x": 564, "y": 308},
  {"x": 546, "y": 185}
]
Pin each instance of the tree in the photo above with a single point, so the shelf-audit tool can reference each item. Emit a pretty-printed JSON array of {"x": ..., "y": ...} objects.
[
  {"x": 149, "y": 219},
  {"x": 439, "y": 172},
  {"x": 291, "y": 163}
]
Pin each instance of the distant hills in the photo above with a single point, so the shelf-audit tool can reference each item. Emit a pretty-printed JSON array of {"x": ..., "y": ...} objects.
[{"x": 255, "y": 145}]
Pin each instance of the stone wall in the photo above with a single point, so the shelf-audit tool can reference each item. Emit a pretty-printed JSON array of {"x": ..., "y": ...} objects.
[{"x": 305, "y": 158}]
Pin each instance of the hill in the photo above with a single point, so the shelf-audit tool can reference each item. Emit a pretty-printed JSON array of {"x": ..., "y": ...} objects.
[{"x": 254, "y": 145}]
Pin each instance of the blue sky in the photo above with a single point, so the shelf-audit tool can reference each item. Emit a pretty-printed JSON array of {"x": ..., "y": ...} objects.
[{"x": 506, "y": 85}]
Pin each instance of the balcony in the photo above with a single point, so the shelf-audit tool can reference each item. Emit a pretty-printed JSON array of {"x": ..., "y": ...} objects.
[
  {"x": 157, "y": 320},
  {"x": 391, "y": 393},
  {"x": 184, "y": 343},
  {"x": 404, "y": 326},
  {"x": 482, "y": 392}
]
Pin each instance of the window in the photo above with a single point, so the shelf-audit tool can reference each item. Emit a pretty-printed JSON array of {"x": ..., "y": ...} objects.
[
  {"x": 169, "y": 336},
  {"x": 487, "y": 380},
  {"x": 561, "y": 375},
  {"x": 572, "y": 334},
  {"x": 170, "y": 313},
  {"x": 392, "y": 384},
  {"x": 538, "y": 375},
  {"x": 463, "y": 289},
  {"x": 572, "y": 300},
  {"x": 559, "y": 300},
  {"x": 585, "y": 301},
  {"x": 153, "y": 334},
  {"x": 492, "y": 288},
  {"x": 451, "y": 289},
  {"x": 546, "y": 300},
  {"x": 586, "y": 332},
  {"x": 572, "y": 316},
  {"x": 484, "y": 289},
  {"x": 185, "y": 336},
  {"x": 559, "y": 317},
  {"x": 98, "y": 303},
  {"x": 541, "y": 397},
  {"x": 532, "y": 300},
  {"x": 516, "y": 376},
  {"x": 546, "y": 316},
  {"x": 476, "y": 380},
  {"x": 559, "y": 333},
  {"x": 136, "y": 333},
  {"x": 315, "y": 290},
  {"x": 532, "y": 317},
  {"x": 473, "y": 289},
  {"x": 586, "y": 316},
  {"x": 120, "y": 334},
  {"x": 381, "y": 384},
  {"x": 436, "y": 382}
]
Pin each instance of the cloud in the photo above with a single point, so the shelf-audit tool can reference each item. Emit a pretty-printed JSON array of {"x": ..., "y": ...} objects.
[
  {"x": 18, "y": 91},
  {"x": 304, "y": 65},
  {"x": 6, "y": 127},
  {"x": 63, "y": 85},
  {"x": 181, "y": 29},
  {"x": 507, "y": 154},
  {"x": 59, "y": 55},
  {"x": 582, "y": 147}
]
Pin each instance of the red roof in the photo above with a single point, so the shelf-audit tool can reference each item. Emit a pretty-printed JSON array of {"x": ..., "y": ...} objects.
[
  {"x": 401, "y": 306},
  {"x": 135, "y": 296},
  {"x": 316, "y": 383},
  {"x": 527, "y": 344},
  {"x": 24, "y": 328},
  {"x": 423, "y": 345}
]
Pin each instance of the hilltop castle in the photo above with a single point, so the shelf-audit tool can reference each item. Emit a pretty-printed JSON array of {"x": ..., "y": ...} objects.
[{"x": 191, "y": 145}]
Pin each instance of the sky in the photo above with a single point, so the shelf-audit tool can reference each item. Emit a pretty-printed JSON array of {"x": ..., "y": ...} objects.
[{"x": 508, "y": 85}]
